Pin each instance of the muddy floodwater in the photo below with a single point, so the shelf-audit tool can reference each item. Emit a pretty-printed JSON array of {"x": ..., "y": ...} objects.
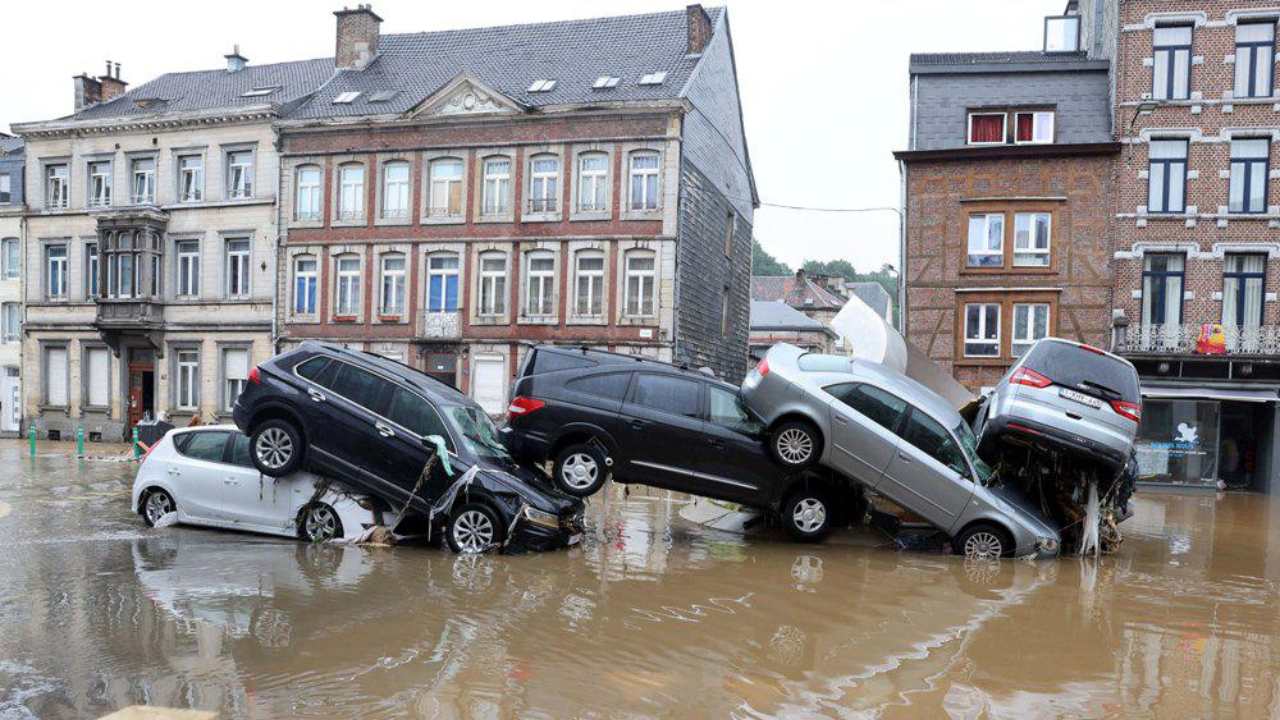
[{"x": 653, "y": 617}]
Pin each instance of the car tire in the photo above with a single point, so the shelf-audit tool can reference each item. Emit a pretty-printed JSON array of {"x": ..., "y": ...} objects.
[
  {"x": 796, "y": 444},
  {"x": 276, "y": 448},
  {"x": 580, "y": 470},
  {"x": 319, "y": 522},
  {"x": 474, "y": 528},
  {"x": 982, "y": 541},
  {"x": 157, "y": 503},
  {"x": 808, "y": 515}
]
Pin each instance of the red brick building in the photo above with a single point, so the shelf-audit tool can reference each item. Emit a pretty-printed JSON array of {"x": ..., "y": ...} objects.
[
  {"x": 450, "y": 196},
  {"x": 1197, "y": 234}
]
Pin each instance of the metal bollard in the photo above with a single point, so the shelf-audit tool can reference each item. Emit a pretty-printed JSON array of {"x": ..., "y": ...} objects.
[
  {"x": 80, "y": 440},
  {"x": 31, "y": 433},
  {"x": 137, "y": 448}
]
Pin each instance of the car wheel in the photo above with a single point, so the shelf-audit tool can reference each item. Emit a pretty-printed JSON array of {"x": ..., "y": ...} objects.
[
  {"x": 808, "y": 515},
  {"x": 320, "y": 523},
  {"x": 796, "y": 444},
  {"x": 580, "y": 470},
  {"x": 982, "y": 542},
  {"x": 156, "y": 505},
  {"x": 473, "y": 529},
  {"x": 277, "y": 448}
]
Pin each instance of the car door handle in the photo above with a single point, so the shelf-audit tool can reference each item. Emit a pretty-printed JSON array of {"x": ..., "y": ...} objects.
[
  {"x": 316, "y": 395},
  {"x": 840, "y": 420},
  {"x": 384, "y": 430},
  {"x": 175, "y": 471},
  {"x": 716, "y": 443},
  {"x": 904, "y": 457},
  {"x": 638, "y": 424},
  {"x": 228, "y": 481}
]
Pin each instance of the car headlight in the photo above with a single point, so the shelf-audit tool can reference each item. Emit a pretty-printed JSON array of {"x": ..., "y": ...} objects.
[
  {"x": 538, "y": 517},
  {"x": 1046, "y": 544}
]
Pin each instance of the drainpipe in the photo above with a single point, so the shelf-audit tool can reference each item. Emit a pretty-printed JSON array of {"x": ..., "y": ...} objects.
[{"x": 279, "y": 247}]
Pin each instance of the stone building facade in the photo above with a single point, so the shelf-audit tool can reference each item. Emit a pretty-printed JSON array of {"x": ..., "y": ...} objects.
[
  {"x": 1007, "y": 183},
  {"x": 12, "y": 207},
  {"x": 446, "y": 217},
  {"x": 1197, "y": 235}
]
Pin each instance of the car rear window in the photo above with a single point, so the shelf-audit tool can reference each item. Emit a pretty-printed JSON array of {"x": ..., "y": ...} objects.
[
  {"x": 1073, "y": 366},
  {"x": 545, "y": 362},
  {"x": 204, "y": 445},
  {"x": 610, "y": 385},
  {"x": 823, "y": 363}
]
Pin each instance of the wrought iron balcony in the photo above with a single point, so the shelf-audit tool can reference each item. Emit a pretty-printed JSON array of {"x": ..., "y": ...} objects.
[
  {"x": 442, "y": 325},
  {"x": 1200, "y": 339}
]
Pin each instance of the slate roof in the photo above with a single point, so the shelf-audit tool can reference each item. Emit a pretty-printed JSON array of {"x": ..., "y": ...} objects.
[
  {"x": 10, "y": 145},
  {"x": 509, "y": 59},
  {"x": 794, "y": 290},
  {"x": 873, "y": 294},
  {"x": 997, "y": 58},
  {"x": 773, "y": 315},
  {"x": 211, "y": 89}
]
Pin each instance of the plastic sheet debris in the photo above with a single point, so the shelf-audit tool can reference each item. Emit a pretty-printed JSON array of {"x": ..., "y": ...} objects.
[
  {"x": 166, "y": 520},
  {"x": 378, "y": 535}
]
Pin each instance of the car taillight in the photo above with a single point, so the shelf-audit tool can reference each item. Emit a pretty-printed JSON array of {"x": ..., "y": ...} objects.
[
  {"x": 253, "y": 376},
  {"x": 523, "y": 406},
  {"x": 1133, "y": 411},
  {"x": 1025, "y": 376},
  {"x": 1092, "y": 349},
  {"x": 763, "y": 367}
]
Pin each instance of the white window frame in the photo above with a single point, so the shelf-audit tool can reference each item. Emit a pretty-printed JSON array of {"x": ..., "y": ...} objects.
[
  {"x": 544, "y": 184},
  {"x": 11, "y": 261},
  {"x": 188, "y": 268},
  {"x": 986, "y": 234},
  {"x": 308, "y": 200},
  {"x": 593, "y": 183},
  {"x": 1031, "y": 234},
  {"x": 240, "y": 174},
  {"x": 540, "y": 285},
  {"x": 594, "y": 280},
  {"x": 435, "y": 271},
  {"x": 190, "y": 179},
  {"x": 1024, "y": 335},
  {"x": 309, "y": 297},
  {"x": 55, "y": 271},
  {"x": 1039, "y": 118},
  {"x": 11, "y": 328},
  {"x": 57, "y": 186},
  {"x": 46, "y": 370},
  {"x": 233, "y": 387},
  {"x": 186, "y": 378},
  {"x": 99, "y": 183},
  {"x": 92, "y": 268},
  {"x": 101, "y": 351},
  {"x": 394, "y": 203},
  {"x": 646, "y": 285},
  {"x": 142, "y": 181},
  {"x": 1004, "y": 128},
  {"x": 492, "y": 287},
  {"x": 647, "y": 204},
  {"x": 496, "y": 189},
  {"x": 983, "y": 323},
  {"x": 351, "y": 193},
  {"x": 444, "y": 187},
  {"x": 348, "y": 270},
  {"x": 391, "y": 300},
  {"x": 242, "y": 258}
]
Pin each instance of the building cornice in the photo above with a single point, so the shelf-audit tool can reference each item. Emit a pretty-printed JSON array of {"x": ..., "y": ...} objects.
[
  {"x": 1002, "y": 152},
  {"x": 593, "y": 111},
  {"x": 71, "y": 127}
]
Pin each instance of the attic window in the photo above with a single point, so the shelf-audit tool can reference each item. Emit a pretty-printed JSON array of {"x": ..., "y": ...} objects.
[
  {"x": 150, "y": 103},
  {"x": 654, "y": 78},
  {"x": 346, "y": 98},
  {"x": 542, "y": 85},
  {"x": 604, "y": 82},
  {"x": 260, "y": 91},
  {"x": 383, "y": 96}
]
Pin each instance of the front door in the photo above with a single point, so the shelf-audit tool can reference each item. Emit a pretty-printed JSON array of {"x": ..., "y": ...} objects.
[
  {"x": 443, "y": 366},
  {"x": 735, "y": 465},
  {"x": 661, "y": 426},
  {"x": 928, "y": 474},
  {"x": 141, "y": 387}
]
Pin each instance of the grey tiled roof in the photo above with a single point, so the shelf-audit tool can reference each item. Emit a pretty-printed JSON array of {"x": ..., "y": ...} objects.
[
  {"x": 776, "y": 315},
  {"x": 573, "y": 53},
  {"x": 209, "y": 89},
  {"x": 996, "y": 58},
  {"x": 873, "y": 294},
  {"x": 11, "y": 145}
]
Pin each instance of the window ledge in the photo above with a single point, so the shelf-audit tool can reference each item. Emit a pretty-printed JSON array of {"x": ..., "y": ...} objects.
[
  {"x": 983, "y": 362},
  {"x": 508, "y": 218},
  {"x": 642, "y": 214},
  {"x": 1009, "y": 271},
  {"x": 303, "y": 320},
  {"x": 404, "y": 221},
  {"x": 44, "y": 407},
  {"x": 640, "y": 320},
  {"x": 306, "y": 223},
  {"x": 443, "y": 220},
  {"x": 538, "y": 320},
  {"x": 541, "y": 217},
  {"x": 361, "y": 222},
  {"x": 587, "y": 320},
  {"x": 346, "y": 319},
  {"x": 391, "y": 319},
  {"x": 590, "y": 216},
  {"x": 490, "y": 320}
]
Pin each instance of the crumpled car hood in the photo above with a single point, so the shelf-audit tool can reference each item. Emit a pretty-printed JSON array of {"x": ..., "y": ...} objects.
[{"x": 1018, "y": 498}]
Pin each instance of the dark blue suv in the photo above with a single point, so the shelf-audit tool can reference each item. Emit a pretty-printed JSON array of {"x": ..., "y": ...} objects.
[{"x": 370, "y": 423}]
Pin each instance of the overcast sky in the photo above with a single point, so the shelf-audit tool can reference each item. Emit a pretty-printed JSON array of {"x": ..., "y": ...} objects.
[{"x": 824, "y": 84}]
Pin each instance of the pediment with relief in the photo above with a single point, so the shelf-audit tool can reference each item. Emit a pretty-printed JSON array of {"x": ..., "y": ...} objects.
[{"x": 466, "y": 95}]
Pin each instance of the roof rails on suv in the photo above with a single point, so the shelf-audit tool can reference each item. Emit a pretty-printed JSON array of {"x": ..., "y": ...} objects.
[{"x": 598, "y": 357}]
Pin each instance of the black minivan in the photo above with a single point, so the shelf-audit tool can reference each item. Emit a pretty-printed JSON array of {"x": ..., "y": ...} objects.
[
  {"x": 371, "y": 423},
  {"x": 591, "y": 412}
]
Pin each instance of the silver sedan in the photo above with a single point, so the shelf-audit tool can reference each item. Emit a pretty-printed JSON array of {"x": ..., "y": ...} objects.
[{"x": 897, "y": 438}]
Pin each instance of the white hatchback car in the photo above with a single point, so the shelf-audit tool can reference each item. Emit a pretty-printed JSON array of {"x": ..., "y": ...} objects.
[{"x": 205, "y": 475}]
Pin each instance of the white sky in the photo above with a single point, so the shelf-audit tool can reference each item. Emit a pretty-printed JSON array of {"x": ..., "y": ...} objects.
[{"x": 824, "y": 84}]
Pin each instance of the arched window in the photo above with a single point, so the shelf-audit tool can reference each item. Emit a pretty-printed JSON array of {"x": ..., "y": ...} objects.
[
  {"x": 588, "y": 283},
  {"x": 497, "y": 186},
  {"x": 540, "y": 280},
  {"x": 493, "y": 283},
  {"x": 393, "y": 284},
  {"x": 644, "y": 180},
  {"x": 593, "y": 182},
  {"x": 544, "y": 183},
  {"x": 445, "y": 195},
  {"x": 442, "y": 282}
]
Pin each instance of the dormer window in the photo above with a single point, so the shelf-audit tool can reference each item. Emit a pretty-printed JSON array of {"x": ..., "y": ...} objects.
[
  {"x": 542, "y": 86},
  {"x": 1062, "y": 33},
  {"x": 346, "y": 98},
  {"x": 987, "y": 128},
  {"x": 1033, "y": 128},
  {"x": 1020, "y": 127}
]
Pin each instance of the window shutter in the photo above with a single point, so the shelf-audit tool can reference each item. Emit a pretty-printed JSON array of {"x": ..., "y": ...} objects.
[
  {"x": 237, "y": 365},
  {"x": 99, "y": 376},
  {"x": 56, "y": 367}
]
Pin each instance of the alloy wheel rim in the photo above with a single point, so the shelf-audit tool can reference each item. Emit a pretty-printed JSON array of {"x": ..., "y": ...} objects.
[
  {"x": 321, "y": 524},
  {"x": 158, "y": 505},
  {"x": 275, "y": 447},
  {"x": 983, "y": 545},
  {"x": 794, "y": 446},
  {"x": 809, "y": 515},
  {"x": 580, "y": 471},
  {"x": 473, "y": 531}
]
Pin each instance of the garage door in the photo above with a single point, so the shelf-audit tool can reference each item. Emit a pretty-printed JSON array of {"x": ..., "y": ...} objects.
[{"x": 489, "y": 385}]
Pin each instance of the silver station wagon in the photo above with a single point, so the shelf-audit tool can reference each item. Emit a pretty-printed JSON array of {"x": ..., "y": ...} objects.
[{"x": 899, "y": 439}]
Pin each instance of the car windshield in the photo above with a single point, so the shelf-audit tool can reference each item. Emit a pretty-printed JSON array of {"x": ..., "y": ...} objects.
[
  {"x": 970, "y": 445},
  {"x": 479, "y": 433}
]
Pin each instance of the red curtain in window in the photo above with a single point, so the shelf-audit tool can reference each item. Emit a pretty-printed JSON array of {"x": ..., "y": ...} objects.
[
  {"x": 1025, "y": 127},
  {"x": 986, "y": 129}
]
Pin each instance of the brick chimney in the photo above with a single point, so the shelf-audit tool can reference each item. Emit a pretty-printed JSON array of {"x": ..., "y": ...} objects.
[
  {"x": 88, "y": 91},
  {"x": 357, "y": 36},
  {"x": 699, "y": 28},
  {"x": 111, "y": 83}
]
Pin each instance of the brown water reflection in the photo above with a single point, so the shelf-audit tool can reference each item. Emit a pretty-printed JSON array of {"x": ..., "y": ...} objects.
[{"x": 652, "y": 617}]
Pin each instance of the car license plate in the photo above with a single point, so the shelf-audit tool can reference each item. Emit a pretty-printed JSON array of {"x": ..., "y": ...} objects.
[
  {"x": 574, "y": 539},
  {"x": 1080, "y": 397}
]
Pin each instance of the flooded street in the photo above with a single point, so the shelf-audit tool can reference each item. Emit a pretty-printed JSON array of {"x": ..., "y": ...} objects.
[{"x": 652, "y": 617}]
